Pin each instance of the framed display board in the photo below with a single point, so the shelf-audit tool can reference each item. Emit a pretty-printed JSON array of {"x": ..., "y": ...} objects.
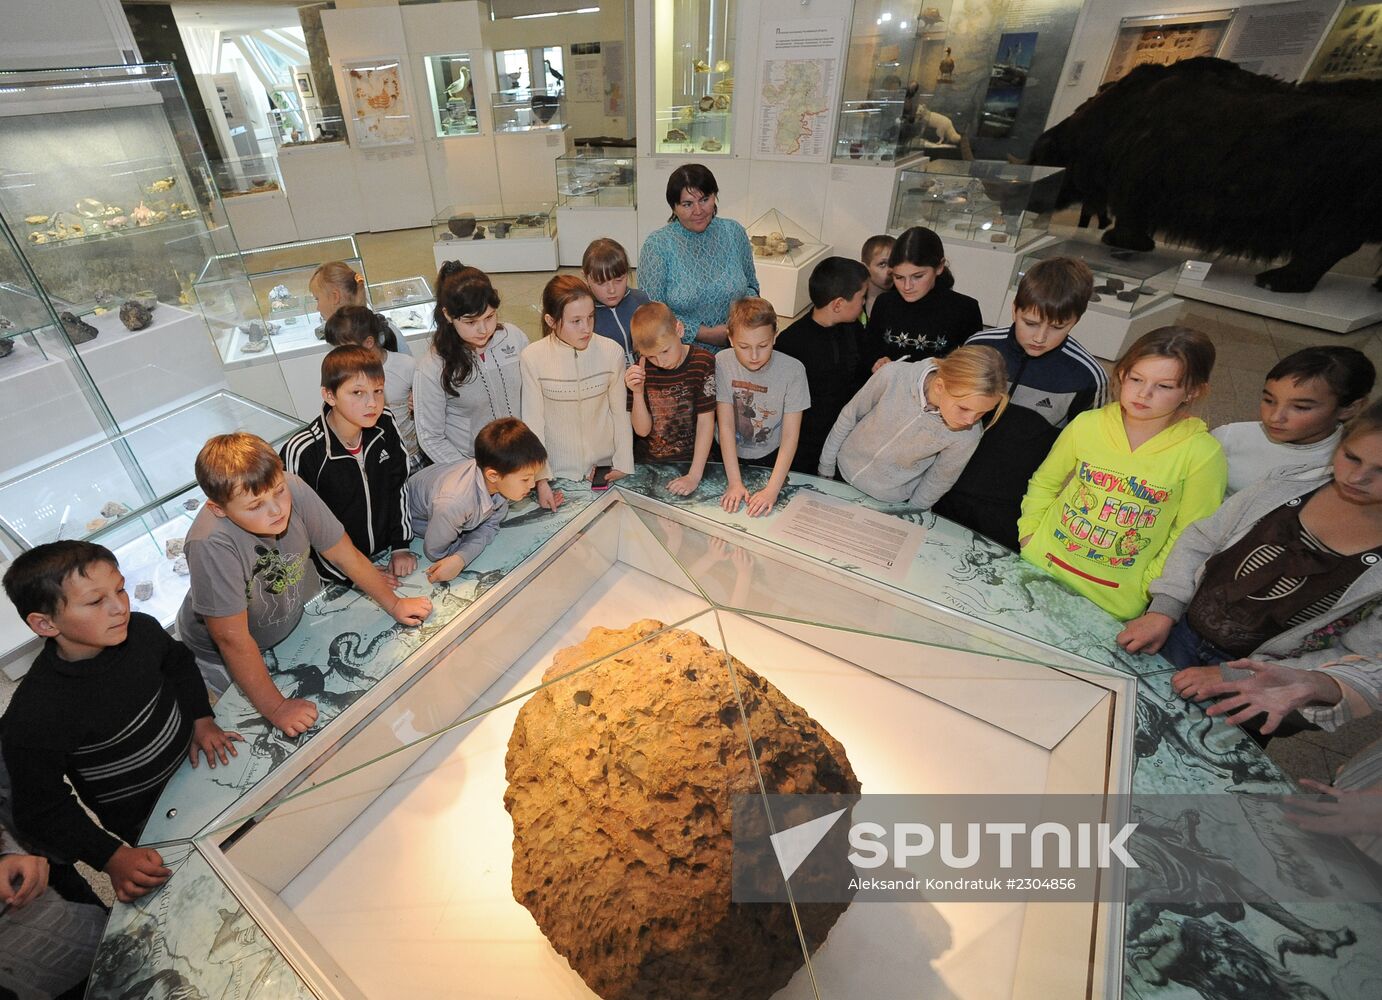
[
  {"x": 1165, "y": 39},
  {"x": 376, "y": 100},
  {"x": 1353, "y": 48}
]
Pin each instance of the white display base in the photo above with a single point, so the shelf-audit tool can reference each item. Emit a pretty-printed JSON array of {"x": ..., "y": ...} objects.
[
  {"x": 987, "y": 272},
  {"x": 577, "y": 227},
  {"x": 322, "y": 191},
  {"x": 397, "y": 880},
  {"x": 144, "y": 373},
  {"x": 527, "y": 166},
  {"x": 1107, "y": 335},
  {"x": 499, "y": 256},
  {"x": 44, "y": 410},
  {"x": 261, "y": 219},
  {"x": 785, "y": 285},
  {"x": 1340, "y": 303},
  {"x": 462, "y": 167}
]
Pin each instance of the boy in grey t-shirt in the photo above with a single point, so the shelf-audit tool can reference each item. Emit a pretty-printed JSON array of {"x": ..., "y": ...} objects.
[
  {"x": 759, "y": 399},
  {"x": 248, "y": 552}
]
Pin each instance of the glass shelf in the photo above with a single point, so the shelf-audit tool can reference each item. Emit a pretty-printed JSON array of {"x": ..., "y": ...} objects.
[
  {"x": 527, "y": 111},
  {"x": 247, "y": 175},
  {"x": 693, "y": 69},
  {"x": 596, "y": 181},
  {"x": 988, "y": 202},
  {"x": 292, "y": 128}
]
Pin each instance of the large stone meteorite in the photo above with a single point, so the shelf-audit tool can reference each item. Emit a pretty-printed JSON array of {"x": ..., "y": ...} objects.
[{"x": 621, "y": 780}]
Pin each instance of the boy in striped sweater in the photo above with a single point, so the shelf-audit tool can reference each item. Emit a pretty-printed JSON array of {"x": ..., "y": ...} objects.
[
  {"x": 1052, "y": 379},
  {"x": 112, "y": 704}
]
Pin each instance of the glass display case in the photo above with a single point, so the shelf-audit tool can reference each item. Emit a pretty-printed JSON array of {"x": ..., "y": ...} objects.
[
  {"x": 640, "y": 689},
  {"x": 313, "y": 126},
  {"x": 1126, "y": 282},
  {"x": 459, "y": 223},
  {"x": 527, "y": 110},
  {"x": 776, "y": 239},
  {"x": 247, "y": 175},
  {"x": 585, "y": 181},
  {"x": 407, "y": 303},
  {"x": 693, "y": 70},
  {"x": 451, "y": 94},
  {"x": 893, "y": 66},
  {"x": 989, "y": 202}
]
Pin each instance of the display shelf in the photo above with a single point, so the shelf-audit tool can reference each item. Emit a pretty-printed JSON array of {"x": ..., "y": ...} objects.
[
  {"x": 694, "y": 52},
  {"x": 451, "y": 93},
  {"x": 1047, "y": 659},
  {"x": 137, "y": 469},
  {"x": 985, "y": 202},
  {"x": 585, "y": 181},
  {"x": 407, "y": 303},
  {"x": 517, "y": 237},
  {"x": 527, "y": 111},
  {"x": 247, "y": 175}
]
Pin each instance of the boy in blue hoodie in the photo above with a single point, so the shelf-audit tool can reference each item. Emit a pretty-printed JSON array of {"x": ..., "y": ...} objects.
[{"x": 606, "y": 267}]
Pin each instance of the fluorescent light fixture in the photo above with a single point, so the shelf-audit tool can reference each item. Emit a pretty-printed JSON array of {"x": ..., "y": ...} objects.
[{"x": 556, "y": 13}]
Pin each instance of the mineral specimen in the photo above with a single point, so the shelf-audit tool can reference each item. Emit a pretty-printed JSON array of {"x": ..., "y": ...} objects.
[
  {"x": 180, "y": 566},
  {"x": 162, "y": 184},
  {"x": 706, "y": 103},
  {"x": 96, "y": 524},
  {"x": 621, "y": 779},
  {"x": 676, "y": 135},
  {"x": 36, "y": 220},
  {"x": 143, "y": 215},
  {"x": 712, "y": 145},
  {"x": 114, "y": 508},
  {"x": 191, "y": 503},
  {"x": 6, "y": 347},
  {"x": 135, "y": 316},
  {"x": 280, "y": 298},
  {"x": 143, "y": 590},
  {"x": 462, "y": 226},
  {"x": 174, "y": 547},
  {"x": 77, "y": 331}
]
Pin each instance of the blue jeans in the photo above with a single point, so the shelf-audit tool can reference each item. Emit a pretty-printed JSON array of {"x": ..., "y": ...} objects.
[{"x": 1187, "y": 648}]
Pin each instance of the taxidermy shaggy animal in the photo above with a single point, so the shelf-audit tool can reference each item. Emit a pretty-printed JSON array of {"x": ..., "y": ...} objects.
[{"x": 1207, "y": 154}]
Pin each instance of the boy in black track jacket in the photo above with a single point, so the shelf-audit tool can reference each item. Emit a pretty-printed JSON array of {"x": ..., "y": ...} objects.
[
  {"x": 354, "y": 459},
  {"x": 1051, "y": 380}
]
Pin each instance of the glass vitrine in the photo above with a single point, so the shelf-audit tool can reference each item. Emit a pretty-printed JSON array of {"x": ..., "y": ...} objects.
[
  {"x": 776, "y": 239},
  {"x": 310, "y": 127},
  {"x": 247, "y": 175},
  {"x": 1002, "y": 205},
  {"x": 587, "y": 181},
  {"x": 1126, "y": 282},
  {"x": 407, "y": 303},
  {"x": 527, "y": 110},
  {"x": 458, "y": 223},
  {"x": 451, "y": 94},
  {"x": 890, "y": 74},
  {"x": 693, "y": 70}
]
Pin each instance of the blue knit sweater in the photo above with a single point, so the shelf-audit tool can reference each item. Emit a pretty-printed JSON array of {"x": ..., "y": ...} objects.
[
  {"x": 698, "y": 275},
  {"x": 615, "y": 322}
]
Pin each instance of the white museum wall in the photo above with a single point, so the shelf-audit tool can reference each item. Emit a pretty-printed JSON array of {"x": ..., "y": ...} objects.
[{"x": 40, "y": 34}]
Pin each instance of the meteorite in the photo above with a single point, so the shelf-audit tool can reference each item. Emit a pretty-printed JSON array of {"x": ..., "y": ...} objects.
[{"x": 135, "y": 316}]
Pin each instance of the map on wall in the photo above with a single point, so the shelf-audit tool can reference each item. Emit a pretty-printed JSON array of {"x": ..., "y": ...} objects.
[
  {"x": 378, "y": 103},
  {"x": 1353, "y": 48},
  {"x": 799, "y": 64},
  {"x": 1162, "y": 41}
]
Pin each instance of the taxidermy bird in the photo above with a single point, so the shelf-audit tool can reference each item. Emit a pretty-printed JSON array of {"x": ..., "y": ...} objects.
[{"x": 552, "y": 72}]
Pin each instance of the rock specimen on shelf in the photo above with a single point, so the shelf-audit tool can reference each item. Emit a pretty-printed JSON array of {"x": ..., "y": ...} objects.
[
  {"x": 114, "y": 508},
  {"x": 256, "y": 340},
  {"x": 280, "y": 298},
  {"x": 174, "y": 547},
  {"x": 6, "y": 347},
  {"x": 621, "y": 780},
  {"x": 143, "y": 590},
  {"x": 180, "y": 566},
  {"x": 462, "y": 226},
  {"x": 191, "y": 503},
  {"x": 135, "y": 316},
  {"x": 96, "y": 524},
  {"x": 78, "y": 332}
]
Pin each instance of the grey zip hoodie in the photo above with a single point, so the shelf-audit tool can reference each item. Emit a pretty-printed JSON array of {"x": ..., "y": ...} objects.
[
  {"x": 454, "y": 511},
  {"x": 890, "y": 445},
  {"x": 1350, "y": 655}
]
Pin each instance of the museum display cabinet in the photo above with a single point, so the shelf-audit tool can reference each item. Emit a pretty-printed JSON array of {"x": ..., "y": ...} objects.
[
  {"x": 407, "y": 303},
  {"x": 511, "y": 237},
  {"x": 890, "y": 75},
  {"x": 409, "y": 810},
  {"x": 1126, "y": 282},
  {"x": 247, "y": 175},
  {"x": 451, "y": 94},
  {"x": 693, "y": 75},
  {"x": 784, "y": 255},
  {"x": 586, "y": 181},
  {"x": 988, "y": 202},
  {"x": 527, "y": 110},
  {"x": 292, "y": 127}
]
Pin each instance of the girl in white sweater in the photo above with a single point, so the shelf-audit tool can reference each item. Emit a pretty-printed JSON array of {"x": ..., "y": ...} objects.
[{"x": 573, "y": 391}]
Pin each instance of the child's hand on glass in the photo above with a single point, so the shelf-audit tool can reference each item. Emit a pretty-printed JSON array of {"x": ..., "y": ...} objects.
[
  {"x": 1191, "y": 682},
  {"x": 762, "y": 502},
  {"x": 1146, "y": 634},
  {"x": 135, "y": 871},
  {"x": 734, "y": 496},
  {"x": 293, "y": 716},
  {"x": 212, "y": 740},
  {"x": 446, "y": 568},
  {"x": 684, "y": 486}
]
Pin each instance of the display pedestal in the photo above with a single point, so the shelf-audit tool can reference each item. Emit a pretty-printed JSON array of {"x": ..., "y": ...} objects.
[
  {"x": 261, "y": 219},
  {"x": 527, "y": 165},
  {"x": 322, "y": 190},
  {"x": 43, "y": 408},
  {"x": 1340, "y": 303},
  {"x": 576, "y": 227},
  {"x": 499, "y": 256},
  {"x": 1107, "y": 334},
  {"x": 785, "y": 284},
  {"x": 986, "y": 273}
]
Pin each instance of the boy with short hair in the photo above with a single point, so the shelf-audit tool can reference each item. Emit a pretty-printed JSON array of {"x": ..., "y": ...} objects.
[
  {"x": 354, "y": 459},
  {"x": 112, "y": 704},
  {"x": 1306, "y": 399},
  {"x": 671, "y": 396},
  {"x": 759, "y": 399},
  {"x": 826, "y": 342},
  {"x": 248, "y": 551},
  {"x": 459, "y": 507},
  {"x": 874, "y": 256},
  {"x": 605, "y": 266},
  {"x": 1052, "y": 379}
]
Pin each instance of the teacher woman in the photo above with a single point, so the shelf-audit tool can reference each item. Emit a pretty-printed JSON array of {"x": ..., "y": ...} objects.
[{"x": 698, "y": 263}]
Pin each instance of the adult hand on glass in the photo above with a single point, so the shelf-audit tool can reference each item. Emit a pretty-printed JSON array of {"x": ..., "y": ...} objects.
[
  {"x": 1273, "y": 688},
  {"x": 547, "y": 497},
  {"x": 1343, "y": 812}
]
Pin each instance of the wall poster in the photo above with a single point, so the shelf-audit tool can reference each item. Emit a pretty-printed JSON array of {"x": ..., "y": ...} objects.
[
  {"x": 1007, "y": 80},
  {"x": 799, "y": 63},
  {"x": 1165, "y": 39},
  {"x": 377, "y": 102},
  {"x": 1353, "y": 48}
]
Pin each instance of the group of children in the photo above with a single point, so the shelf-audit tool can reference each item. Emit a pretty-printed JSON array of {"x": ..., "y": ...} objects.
[{"x": 1113, "y": 487}]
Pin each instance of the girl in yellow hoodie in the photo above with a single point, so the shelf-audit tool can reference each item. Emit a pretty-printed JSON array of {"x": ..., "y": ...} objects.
[{"x": 1122, "y": 482}]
